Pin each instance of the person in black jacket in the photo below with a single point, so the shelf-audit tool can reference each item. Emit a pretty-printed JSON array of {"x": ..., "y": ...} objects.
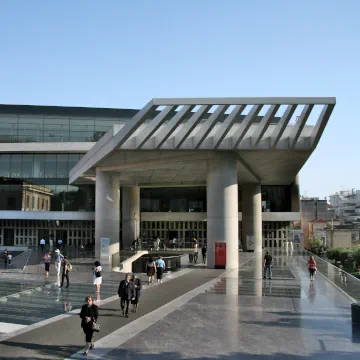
[
  {"x": 65, "y": 272},
  {"x": 137, "y": 285},
  {"x": 203, "y": 253},
  {"x": 126, "y": 293},
  {"x": 89, "y": 314}
]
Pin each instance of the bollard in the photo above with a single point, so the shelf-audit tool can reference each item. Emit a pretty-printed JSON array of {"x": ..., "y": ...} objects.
[{"x": 355, "y": 321}]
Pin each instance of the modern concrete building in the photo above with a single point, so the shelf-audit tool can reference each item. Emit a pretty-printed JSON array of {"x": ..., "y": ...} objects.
[
  {"x": 212, "y": 169},
  {"x": 246, "y": 159}
]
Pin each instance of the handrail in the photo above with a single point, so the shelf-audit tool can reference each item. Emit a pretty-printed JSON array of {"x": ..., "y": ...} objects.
[{"x": 348, "y": 283}]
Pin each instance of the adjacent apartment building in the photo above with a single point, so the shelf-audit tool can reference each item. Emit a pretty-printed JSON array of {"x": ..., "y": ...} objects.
[{"x": 346, "y": 205}]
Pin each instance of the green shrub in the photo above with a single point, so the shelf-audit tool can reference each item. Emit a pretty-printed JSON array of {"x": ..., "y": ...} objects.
[
  {"x": 316, "y": 245},
  {"x": 345, "y": 255},
  {"x": 356, "y": 256},
  {"x": 333, "y": 254},
  {"x": 355, "y": 274}
]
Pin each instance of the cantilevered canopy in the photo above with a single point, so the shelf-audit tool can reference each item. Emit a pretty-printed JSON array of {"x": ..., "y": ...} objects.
[{"x": 170, "y": 140}]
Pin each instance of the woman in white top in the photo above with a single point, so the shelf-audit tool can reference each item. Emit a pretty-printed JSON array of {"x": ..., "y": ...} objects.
[{"x": 97, "y": 276}]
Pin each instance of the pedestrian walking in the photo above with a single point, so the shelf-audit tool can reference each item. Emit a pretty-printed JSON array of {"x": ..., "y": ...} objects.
[
  {"x": 42, "y": 244},
  {"x": 82, "y": 250},
  {"x": 150, "y": 270},
  {"x": 196, "y": 255},
  {"x": 126, "y": 293},
  {"x": 138, "y": 286},
  {"x": 5, "y": 256},
  {"x": 312, "y": 267},
  {"x": 47, "y": 259},
  {"x": 267, "y": 265},
  {"x": 191, "y": 257},
  {"x": 9, "y": 258},
  {"x": 58, "y": 259},
  {"x": 65, "y": 272},
  {"x": 89, "y": 315},
  {"x": 203, "y": 253},
  {"x": 97, "y": 276},
  {"x": 160, "y": 268}
]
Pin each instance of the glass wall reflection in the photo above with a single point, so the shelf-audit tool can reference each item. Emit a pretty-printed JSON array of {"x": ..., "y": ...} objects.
[
  {"x": 190, "y": 199},
  {"x": 37, "y": 128},
  {"x": 39, "y": 182},
  {"x": 23, "y": 196},
  {"x": 37, "y": 166}
]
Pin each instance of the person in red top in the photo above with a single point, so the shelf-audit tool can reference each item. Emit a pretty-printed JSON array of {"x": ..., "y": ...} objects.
[{"x": 312, "y": 267}]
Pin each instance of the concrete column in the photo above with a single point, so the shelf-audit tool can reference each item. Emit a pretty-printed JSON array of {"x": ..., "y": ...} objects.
[
  {"x": 222, "y": 208},
  {"x": 130, "y": 213},
  {"x": 107, "y": 214},
  {"x": 295, "y": 195},
  {"x": 252, "y": 215}
]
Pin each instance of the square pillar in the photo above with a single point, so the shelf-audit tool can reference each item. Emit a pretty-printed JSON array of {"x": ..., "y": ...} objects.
[
  {"x": 107, "y": 217},
  {"x": 252, "y": 215},
  {"x": 130, "y": 213},
  {"x": 222, "y": 208}
]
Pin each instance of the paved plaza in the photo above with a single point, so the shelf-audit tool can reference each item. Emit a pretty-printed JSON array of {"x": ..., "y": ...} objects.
[{"x": 196, "y": 314}]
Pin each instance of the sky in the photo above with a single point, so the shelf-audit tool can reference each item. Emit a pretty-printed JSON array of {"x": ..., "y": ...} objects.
[{"x": 120, "y": 54}]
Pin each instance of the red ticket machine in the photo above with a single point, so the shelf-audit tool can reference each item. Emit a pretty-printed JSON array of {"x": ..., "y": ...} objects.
[{"x": 220, "y": 255}]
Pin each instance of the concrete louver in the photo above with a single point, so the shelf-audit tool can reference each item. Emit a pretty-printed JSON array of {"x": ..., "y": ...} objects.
[{"x": 187, "y": 124}]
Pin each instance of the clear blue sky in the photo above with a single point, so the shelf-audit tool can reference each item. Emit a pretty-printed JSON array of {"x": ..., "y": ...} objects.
[{"x": 123, "y": 53}]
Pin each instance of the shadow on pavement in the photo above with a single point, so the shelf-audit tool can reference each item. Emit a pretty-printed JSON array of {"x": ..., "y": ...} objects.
[{"x": 51, "y": 352}]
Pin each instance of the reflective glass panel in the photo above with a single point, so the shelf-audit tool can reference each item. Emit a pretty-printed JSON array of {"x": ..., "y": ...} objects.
[{"x": 5, "y": 165}]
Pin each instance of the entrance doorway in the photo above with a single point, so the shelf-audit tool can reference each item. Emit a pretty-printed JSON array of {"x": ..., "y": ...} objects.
[
  {"x": 9, "y": 237},
  {"x": 61, "y": 235},
  {"x": 43, "y": 234}
]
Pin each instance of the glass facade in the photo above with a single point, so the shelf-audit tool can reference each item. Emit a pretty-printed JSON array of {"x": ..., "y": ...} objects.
[
  {"x": 173, "y": 199},
  {"x": 49, "y": 172},
  {"x": 193, "y": 199},
  {"x": 37, "y": 128},
  {"x": 276, "y": 198},
  {"x": 37, "y": 166}
]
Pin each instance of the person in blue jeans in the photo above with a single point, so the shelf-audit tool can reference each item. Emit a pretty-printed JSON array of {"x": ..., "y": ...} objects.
[{"x": 267, "y": 265}]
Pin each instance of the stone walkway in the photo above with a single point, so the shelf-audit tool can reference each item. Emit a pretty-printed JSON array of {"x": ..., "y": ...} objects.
[{"x": 212, "y": 314}]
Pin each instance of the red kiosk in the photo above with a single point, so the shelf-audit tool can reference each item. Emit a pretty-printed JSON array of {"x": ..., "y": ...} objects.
[{"x": 220, "y": 255}]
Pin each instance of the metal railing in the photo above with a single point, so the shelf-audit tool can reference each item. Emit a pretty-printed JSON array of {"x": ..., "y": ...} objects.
[{"x": 345, "y": 281}]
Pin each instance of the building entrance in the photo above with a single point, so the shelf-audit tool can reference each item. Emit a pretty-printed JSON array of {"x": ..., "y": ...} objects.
[
  {"x": 61, "y": 235},
  {"x": 173, "y": 235},
  {"x": 43, "y": 234}
]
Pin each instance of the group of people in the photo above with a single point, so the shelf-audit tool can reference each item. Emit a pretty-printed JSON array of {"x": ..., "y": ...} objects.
[
  {"x": 153, "y": 268},
  {"x": 311, "y": 264},
  {"x": 63, "y": 266},
  {"x": 129, "y": 293},
  {"x": 7, "y": 258},
  {"x": 194, "y": 256}
]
